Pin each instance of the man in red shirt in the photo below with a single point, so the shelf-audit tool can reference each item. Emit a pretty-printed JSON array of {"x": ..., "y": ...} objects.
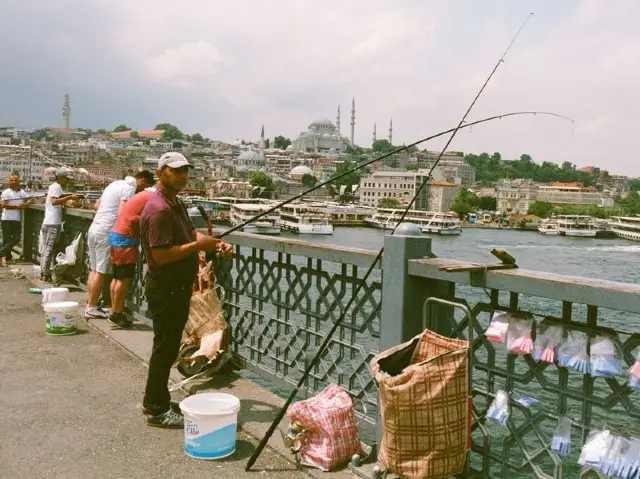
[
  {"x": 171, "y": 245},
  {"x": 124, "y": 240}
]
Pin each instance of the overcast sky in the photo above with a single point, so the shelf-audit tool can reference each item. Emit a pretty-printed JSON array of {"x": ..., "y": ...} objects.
[{"x": 223, "y": 68}]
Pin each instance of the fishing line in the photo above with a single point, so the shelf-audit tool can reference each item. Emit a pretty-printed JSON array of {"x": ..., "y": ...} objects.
[{"x": 346, "y": 309}]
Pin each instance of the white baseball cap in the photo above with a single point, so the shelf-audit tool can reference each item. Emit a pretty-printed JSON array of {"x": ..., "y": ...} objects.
[{"x": 173, "y": 159}]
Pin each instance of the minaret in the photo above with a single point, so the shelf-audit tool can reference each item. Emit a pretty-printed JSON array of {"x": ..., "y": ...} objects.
[
  {"x": 66, "y": 111},
  {"x": 338, "y": 120},
  {"x": 391, "y": 131},
  {"x": 262, "y": 143},
  {"x": 353, "y": 119},
  {"x": 375, "y": 136}
]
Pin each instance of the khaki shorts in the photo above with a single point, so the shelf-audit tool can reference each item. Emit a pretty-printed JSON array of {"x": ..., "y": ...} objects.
[{"x": 99, "y": 251}]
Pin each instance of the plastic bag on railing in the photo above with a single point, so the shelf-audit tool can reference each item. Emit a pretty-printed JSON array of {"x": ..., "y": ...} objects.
[
  {"x": 634, "y": 373},
  {"x": 500, "y": 409},
  {"x": 630, "y": 461},
  {"x": 596, "y": 448},
  {"x": 605, "y": 360},
  {"x": 519, "y": 335},
  {"x": 561, "y": 441},
  {"x": 497, "y": 330},
  {"x": 619, "y": 458},
  {"x": 548, "y": 339},
  {"x": 573, "y": 352}
]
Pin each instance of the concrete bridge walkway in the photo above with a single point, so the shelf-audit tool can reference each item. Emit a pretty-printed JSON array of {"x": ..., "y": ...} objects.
[{"x": 71, "y": 406}]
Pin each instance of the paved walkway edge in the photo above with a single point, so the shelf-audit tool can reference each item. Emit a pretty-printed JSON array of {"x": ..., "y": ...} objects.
[{"x": 258, "y": 405}]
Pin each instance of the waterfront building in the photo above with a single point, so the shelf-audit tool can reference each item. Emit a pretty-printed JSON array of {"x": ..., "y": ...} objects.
[
  {"x": 30, "y": 169},
  {"x": 440, "y": 195},
  {"x": 322, "y": 136},
  {"x": 518, "y": 195}
]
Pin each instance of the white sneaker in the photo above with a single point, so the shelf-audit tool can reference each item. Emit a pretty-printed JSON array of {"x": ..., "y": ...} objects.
[{"x": 95, "y": 313}]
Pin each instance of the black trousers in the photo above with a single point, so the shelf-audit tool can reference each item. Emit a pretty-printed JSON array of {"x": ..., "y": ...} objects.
[
  {"x": 169, "y": 300},
  {"x": 10, "y": 237}
]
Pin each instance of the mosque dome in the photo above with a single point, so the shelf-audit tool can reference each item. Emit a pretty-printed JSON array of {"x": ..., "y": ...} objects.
[
  {"x": 332, "y": 152},
  {"x": 326, "y": 135},
  {"x": 247, "y": 156},
  {"x": 299, "y": 171},
  {"x": 322, "y": 122},
  {"x": 290, "y": 148}
]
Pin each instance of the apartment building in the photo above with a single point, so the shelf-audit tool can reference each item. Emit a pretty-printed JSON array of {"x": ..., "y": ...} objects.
[{"x": 518, "y": 195}]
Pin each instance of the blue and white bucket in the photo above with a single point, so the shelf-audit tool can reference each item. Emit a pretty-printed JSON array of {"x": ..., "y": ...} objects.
[{"x": 210, "y": 425}]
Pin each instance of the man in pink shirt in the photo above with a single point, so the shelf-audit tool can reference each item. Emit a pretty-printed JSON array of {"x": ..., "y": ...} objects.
[{"x": 124, "y": 240}]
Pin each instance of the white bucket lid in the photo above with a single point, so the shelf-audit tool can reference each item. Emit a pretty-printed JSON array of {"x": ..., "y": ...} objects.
[
  {"x": 61, "y": 306},
  {"x": 56, "y": 290},
  {"x": 210, "y": 404}
]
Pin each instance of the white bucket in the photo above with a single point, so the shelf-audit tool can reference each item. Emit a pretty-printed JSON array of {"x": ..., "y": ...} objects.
[
  {"x": 210, "y": 425},
  {"x": 54, "y": 295},
  {"x": 36, "y": 271},
  {"x": 60, "y": 318}
]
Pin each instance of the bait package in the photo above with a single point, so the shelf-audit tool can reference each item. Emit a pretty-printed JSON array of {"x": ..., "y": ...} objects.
[
  {"x": 623, "y": 458},
  {"x": 548, "y": 339},
  {"x": 500, "y": 409},
  {"x": 634, "y": 374},
  {"x": 523, "y": 399},
  {"x": 497, "y": 330},
  {"x": 561, "y": 441},
  {"x": 596, "y": 448},
  {"x": 605, "y": 361},
  {"x": 573, "y": 352},
  {"x": 519, "y": 335}
]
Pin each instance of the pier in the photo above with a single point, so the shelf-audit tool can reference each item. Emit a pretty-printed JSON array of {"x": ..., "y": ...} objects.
[{"x": 282, "y": 295}]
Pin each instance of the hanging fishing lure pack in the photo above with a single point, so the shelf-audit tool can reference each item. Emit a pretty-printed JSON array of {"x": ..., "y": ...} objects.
[
  {"x": 561, "y": 441},
  {"x": 519, "y": 335},
  {"x": 548, "y": 339},
  {"x": 573, "y": 351},
  {"x": 605, "y": 360},
  {"x": 500, "y": 409},
  {"x": 498, "y": 327}
]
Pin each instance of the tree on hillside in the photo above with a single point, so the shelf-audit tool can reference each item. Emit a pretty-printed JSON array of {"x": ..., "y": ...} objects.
[
  {"x": 135, "y": 135},
  {"x": 388, "y": 203},
  {"x": 487, "y": 203},
  {"x": 350, "y": 179},
  {"x": 413, "y": 167},
  {"x": 170, "y": 132},
  {"x": 382, "y": 146},
  {"x": 121, "y": 127},
  {"x": 281, "y": 142},
  {"x": 541, "y": 208},
  {"x": 308, "y": 180},
  {"x": 261, "y": 180},
  {"x": 197, "y": 137},
  {"x": 464, "y": 202}
]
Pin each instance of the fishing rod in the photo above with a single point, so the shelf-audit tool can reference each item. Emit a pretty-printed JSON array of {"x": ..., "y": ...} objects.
[
  {"x": 386, "y": 155},
  {"x": 345, "y": 311}
]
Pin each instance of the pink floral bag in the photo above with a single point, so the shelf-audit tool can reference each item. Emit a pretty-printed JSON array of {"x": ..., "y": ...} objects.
[{"x": 329, "y": 436}]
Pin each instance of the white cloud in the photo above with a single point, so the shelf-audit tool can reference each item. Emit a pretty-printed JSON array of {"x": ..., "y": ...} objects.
[
  {"x": 191, "y": 65},
  {"x": 225, "y": 67}
]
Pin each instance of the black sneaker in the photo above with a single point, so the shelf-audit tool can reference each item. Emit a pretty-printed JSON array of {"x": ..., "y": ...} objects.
[
  {"x": 119, "y": 321},
  {"x": 173, "y": 405},
  {"x": 169, "y": 420}
]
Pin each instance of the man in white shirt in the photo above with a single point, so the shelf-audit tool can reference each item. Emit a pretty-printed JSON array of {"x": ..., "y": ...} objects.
[
  {"x": 52, "y": 223},
  {"x": 12, "y": 200},
  {"x": 113, "y": 198}
]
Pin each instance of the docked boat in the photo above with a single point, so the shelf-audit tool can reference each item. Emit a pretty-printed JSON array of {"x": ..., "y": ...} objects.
[
  {"x": 305, "y": 219},
  {"x": 447, "y": 224},
  {"x": 267, "y": 225},
  {"x": 577, "y": 226},
  {"x": 626, "y": 227},
  {"x": 428, "y": 221},
  {"x": 548, "y": 227}
]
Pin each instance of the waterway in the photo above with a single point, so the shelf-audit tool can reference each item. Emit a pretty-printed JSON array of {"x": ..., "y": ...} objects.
[{"x": 611, "y": 259}]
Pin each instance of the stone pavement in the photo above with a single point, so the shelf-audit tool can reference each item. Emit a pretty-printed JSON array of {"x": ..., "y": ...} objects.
[{"x": 71, "y": 406}]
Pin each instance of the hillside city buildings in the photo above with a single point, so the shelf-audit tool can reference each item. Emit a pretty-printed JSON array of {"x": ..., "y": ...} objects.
[{"x": 225, "y": 168}]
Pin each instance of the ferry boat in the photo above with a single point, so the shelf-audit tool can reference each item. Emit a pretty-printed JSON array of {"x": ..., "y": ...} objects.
[
  {"x": 626, "y": 227},
  {"x": 305, "y": 219},
  {"x": 443, "y": 224},
  {"x": 548, "y": 227},
  {"x": 428, "y": 221},
  {"x": 267, "y": 225},
  {"x": 579, "y": 226}
]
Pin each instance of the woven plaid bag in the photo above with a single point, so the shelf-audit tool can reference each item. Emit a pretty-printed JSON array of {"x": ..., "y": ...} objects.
[
  {"x": 330, "y": 435},
  {"x": 424, "y": 405}
]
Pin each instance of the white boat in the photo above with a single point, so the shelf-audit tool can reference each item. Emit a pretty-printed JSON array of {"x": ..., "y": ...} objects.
[
  {"x": 267, "y": 225},
  {"x": 304, "y": 219},
  {"x": 428, "y": 221},
  {"x": 548, "y": 227},
  {"x": 578, "y": 226},
  {"x": 626, "y": 227},
  {"x": 443, "y": 224}
]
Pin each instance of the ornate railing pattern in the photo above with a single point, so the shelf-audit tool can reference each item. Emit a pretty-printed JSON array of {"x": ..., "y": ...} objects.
[
  {"x": 282, "y": 296},
  {"x": 521, "y": 448}
]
